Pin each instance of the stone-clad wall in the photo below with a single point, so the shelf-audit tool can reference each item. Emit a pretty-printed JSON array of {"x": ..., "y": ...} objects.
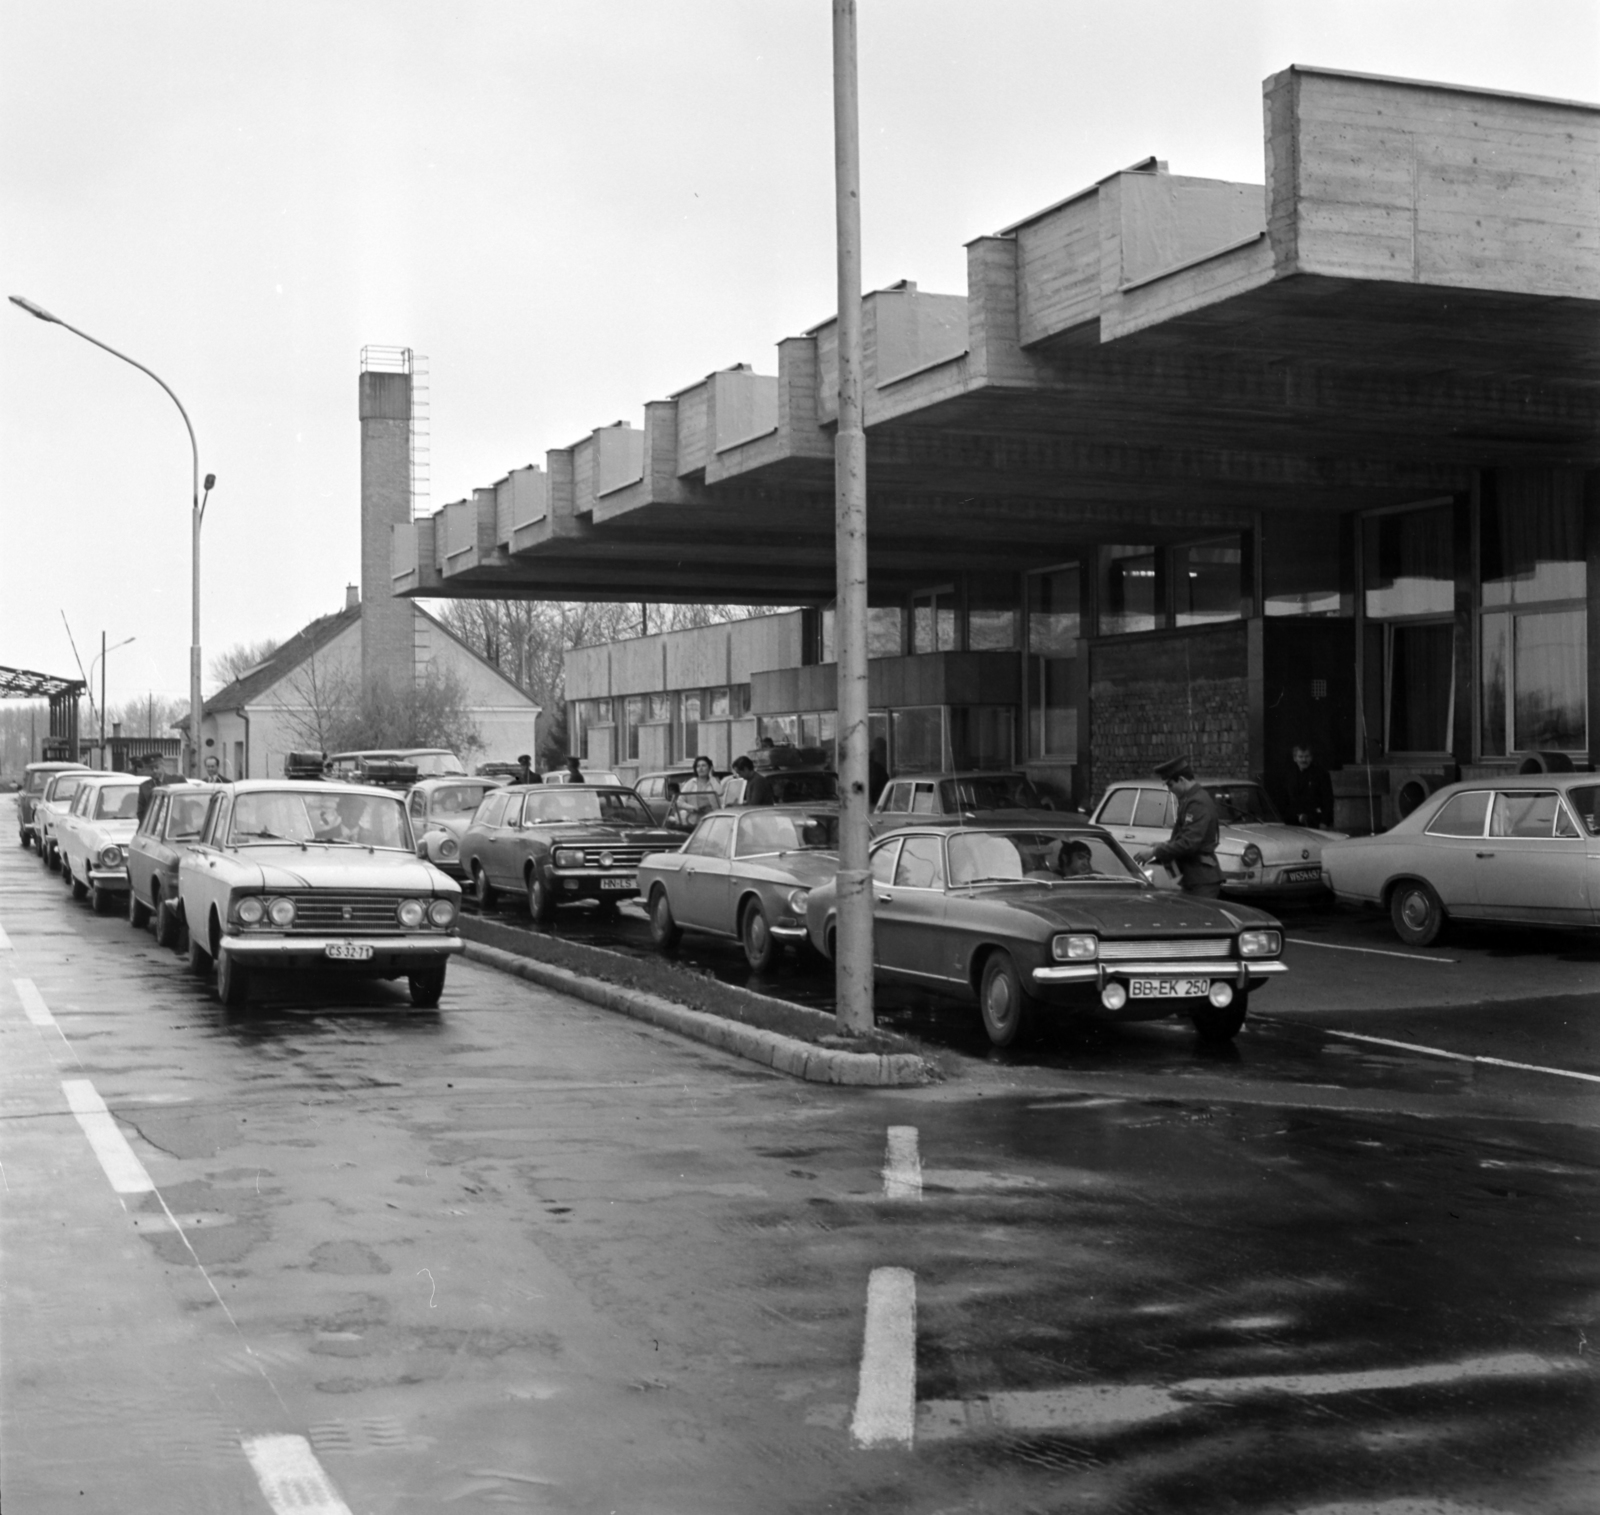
[{"x": 1153, "y": 697}]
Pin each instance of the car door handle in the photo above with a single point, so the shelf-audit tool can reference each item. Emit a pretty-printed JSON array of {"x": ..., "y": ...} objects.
[
  {"x": 1483, "y": 854},
  {"x": 886, "y": 898}
]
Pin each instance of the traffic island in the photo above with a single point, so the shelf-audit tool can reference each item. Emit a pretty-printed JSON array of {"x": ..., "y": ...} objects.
[{"x": 786, "y": 1038}]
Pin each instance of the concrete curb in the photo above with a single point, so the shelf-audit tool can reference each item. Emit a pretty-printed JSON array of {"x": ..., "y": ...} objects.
[{"x": 783, "y": 1054}]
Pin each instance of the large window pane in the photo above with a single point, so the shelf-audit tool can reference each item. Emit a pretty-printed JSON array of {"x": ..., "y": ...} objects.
[
  {"x": 992, "y": 617},
  {"x": 1421, "y": 687},
  {"x": 1128, "y": 592},
  {"x": 1551, "y": 681},
  {"x": 1055, "y": 623},
  {"x": 980, "y": 736},
  {"x": 1408, "y": 563},
  {"x": 1530, "y": 544},
  {"x": 1300, "y": 567},
  {"x": 1208, "y": 582},
  {"x": 918, "y": 740},
  {"x": 1495, "y": 670},
  {"x": 885, "y": 635}
]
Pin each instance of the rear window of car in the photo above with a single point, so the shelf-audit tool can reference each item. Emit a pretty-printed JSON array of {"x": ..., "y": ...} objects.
[
  {"x": 1461, "y": 815},
  {"x": 1117, "y": 810},
  {"x": 1586, "y": 801}
]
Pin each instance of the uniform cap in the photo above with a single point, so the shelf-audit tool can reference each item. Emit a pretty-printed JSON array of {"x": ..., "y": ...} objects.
[{"x": 1174, "y": 768}]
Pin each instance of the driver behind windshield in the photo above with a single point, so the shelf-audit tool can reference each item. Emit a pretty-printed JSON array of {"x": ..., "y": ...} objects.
[{"x": 349, "y": 821}]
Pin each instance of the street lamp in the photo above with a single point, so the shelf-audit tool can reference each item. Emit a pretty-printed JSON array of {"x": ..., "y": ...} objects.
[
  {"x": 100, "y": 658},
  {"x": 197, "y": 512}
]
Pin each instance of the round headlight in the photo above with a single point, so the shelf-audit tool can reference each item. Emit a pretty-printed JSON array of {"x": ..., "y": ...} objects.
[
  {"x": 797, "y": 900},
  {"x": 442, "y": 912},
  {"x": 281, "y": 912},
  {"x": 1252, "y": 856},
  {"x": 569, "y": 857},
  {"x": 410, "y": 913},
  {"x": 251, "y": 911},
  {"x": 110, "y": 857},
  {"x": 449, "y": 847}
]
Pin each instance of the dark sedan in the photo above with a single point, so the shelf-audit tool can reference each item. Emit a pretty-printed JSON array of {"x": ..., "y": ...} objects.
[
  {"x": 1021, "y": 917},
  {"x": 558, "y": 844}
]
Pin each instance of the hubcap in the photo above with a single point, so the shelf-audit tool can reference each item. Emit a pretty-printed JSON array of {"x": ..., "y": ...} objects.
[{"x": 1415, "y": 911}]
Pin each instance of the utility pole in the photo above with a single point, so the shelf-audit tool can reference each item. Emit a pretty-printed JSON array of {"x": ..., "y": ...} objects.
[
  {"x": 103, "y": 762},
  {"x": 853, "y": 948}
]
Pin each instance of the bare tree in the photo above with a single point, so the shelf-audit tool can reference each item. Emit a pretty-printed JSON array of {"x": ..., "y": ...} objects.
[
  {"x": 321, "y": 694},
  {"x": 239, "y": 659}
]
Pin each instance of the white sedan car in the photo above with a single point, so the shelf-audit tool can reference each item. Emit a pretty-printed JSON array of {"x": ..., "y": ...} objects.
[
  {"x": 1515, "y": 849},
  {"x": 1257, "y": 852},
  {"x": 93, "y": 836}
]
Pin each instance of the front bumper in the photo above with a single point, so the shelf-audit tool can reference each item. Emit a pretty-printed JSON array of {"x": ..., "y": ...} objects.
[
  {"x": 112, "y": 880},
  {"x": 390, "y": 954},
  {"x": 1236, "y": 971}
]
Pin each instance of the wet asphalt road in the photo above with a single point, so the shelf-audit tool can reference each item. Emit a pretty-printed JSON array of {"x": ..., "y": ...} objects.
[{"x": 525, "y": 1254}]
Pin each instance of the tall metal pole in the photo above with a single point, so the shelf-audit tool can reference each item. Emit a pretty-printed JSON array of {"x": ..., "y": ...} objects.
[
  {"x": 853, "y": 947},
  {"x": 195, "y": 511},
  {"x": 103, "y": 762}
]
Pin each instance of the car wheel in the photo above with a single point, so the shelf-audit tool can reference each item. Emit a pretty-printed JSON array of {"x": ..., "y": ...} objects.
[
  {"x": 1417, "y": 915},
  {"x": 138, "y": 911},
  {"x": 1007, "y": 1007},
  {"x": 1221, "y": 1023},
  {"x": 541, "y": 902},
  {"x": 233, "y": 980},
  {"x": 426, "y": 986},
  {"x": 665, "y": 931},
  {"x": 760, "y": 945},
  {"x": 47, "y": 856},
  {"x": 99, "y": 900},
  {"x": 199, "y": 958},
  {"x": 167, "y": 925},
  {"x": 80, "y": 890},
  {"x": 483, "y": 891}
]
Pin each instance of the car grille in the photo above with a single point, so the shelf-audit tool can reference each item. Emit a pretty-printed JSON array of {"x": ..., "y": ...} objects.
[
  {"x": 621, "y": 857},
  {"x": 1149, "y": 951},
  {"x": 347, "y": 910}
]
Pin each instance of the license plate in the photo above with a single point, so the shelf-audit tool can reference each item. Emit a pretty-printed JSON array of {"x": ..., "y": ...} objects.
[
  {"x": 349, "y": 952},
  {"x": 1302, "y": 875},
  {"x": 630, "y": 883},
  {"x": 1169, "y": 988}
]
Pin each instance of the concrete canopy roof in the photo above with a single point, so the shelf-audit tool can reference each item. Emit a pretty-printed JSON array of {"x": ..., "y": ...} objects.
[{"x": 1413, "y": 296}]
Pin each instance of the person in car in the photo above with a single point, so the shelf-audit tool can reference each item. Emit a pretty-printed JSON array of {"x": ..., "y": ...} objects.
[
  {"x": 702, "y": 782},
  {"x": 349, "y": 815}
]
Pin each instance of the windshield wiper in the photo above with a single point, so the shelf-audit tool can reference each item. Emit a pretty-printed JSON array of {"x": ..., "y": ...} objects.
[{"x": 994, "y": 878}]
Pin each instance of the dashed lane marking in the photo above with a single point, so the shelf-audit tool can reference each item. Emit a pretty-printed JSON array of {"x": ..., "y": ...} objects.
[
  {"x": 1466, "y": 1057},
  {"x": 291, "y": 1478},
  {"x": 1410, "y": 957},
  {"x": 5, "y": 941},
  {"x": 902, "y": 1167},
  {"x": 121, "y": 1164},
  {"x": 886, "y": 1400},
  {"x": 34, "y": 1007}
]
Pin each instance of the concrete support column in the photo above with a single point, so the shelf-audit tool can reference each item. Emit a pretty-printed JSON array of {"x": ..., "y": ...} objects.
[
  {"x": 1591, "y": 542},
  {"x": 388, "y": 654}
]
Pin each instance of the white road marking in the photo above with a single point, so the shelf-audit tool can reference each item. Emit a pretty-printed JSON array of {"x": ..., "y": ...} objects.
[
  {"x": 1410, "y": 957},
  {"x": 5, "y": 941},
  {"x": 291, "y": 1477},
  {"x": 1467, "y": 1057},
  {"x": 33, "y": 1005},
  {"x": 1102, "y": 1407},
  {"x": 902, "y": 1167},
  {"x": 886, "y": 1401},
  {"x": 122, "y": 1167}
]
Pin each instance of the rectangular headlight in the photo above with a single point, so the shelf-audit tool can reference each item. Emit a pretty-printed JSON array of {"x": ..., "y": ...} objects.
[
  {"x": 1074, "y": 948},
  {"x": 1260, "y": 943},
  {"x": 568, "y": 857}
]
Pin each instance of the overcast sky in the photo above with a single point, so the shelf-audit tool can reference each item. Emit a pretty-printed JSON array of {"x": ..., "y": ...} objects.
[{"x": 570, "y": 208}]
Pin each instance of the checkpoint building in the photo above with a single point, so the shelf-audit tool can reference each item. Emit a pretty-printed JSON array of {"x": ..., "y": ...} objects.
[{"x": 1191, "y": 466}]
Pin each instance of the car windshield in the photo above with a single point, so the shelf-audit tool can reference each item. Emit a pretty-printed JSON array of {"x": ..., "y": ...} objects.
[
  {"x": 457, "y": 799},
  {"x": 1242, "y": 804},
  {"x": 987, "y": 857},
  {"x": 117, "y": 802},
  {"x": 187, "y": 815},
  {"x": 1000, "y": 791},
  {"x": 768, "y": 831},
  {"x": 287, "y": 815},
  {"x": 562, "y": 805},
  {"x": 430, "y": 763}
]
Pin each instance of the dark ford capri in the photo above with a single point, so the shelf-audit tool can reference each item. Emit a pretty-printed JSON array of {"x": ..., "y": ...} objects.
[
  {"x": 1024, "y": 917},
  {"x": 561, "y": 843}
]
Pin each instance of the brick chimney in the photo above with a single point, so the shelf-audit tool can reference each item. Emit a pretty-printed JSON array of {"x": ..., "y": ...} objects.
[
  {"x": 352, "y": 596},
  {"x": 388, "y": 652}
]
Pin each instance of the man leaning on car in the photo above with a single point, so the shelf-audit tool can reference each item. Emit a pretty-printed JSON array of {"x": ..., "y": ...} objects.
[{"x": 1193, "y": 843}]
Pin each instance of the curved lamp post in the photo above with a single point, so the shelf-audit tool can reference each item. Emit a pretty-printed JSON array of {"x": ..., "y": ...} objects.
[{"x": 197, "y": 513}]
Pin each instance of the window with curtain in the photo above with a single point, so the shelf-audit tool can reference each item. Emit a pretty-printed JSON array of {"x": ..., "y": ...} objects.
[
  {"x": 1420, "y": 682},
  {"x": 1408, "y": 563},
  {"x": 933, "y": 620},
  {"x": 1130, "y": 597},
  {"x": 918, "y": 739},
  {"x": 1054, "y": 626},
  {"x": 1208, "y": 582}
]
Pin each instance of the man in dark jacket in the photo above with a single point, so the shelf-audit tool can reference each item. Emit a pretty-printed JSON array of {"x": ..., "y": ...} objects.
[
  {"x": 1309, "y": 791},
  {"x": 525, "y": 773},
  {"x": 1192, "y": 847}
]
